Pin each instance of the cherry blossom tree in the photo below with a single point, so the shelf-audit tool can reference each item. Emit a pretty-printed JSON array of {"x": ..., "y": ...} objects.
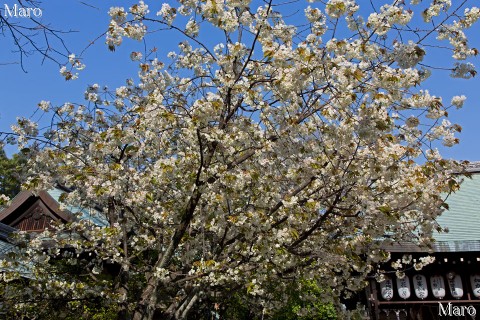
[
  {"x": 281, "y": 141},
  {"x": 11, "y": 171}
]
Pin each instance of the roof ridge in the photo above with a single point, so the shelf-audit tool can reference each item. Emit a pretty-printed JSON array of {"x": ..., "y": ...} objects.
[{"x": 472, "y": 166}]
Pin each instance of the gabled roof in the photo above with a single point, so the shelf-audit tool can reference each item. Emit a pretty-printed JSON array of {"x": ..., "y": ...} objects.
[
  {"x": 35, "y": 211},
  {"x": 33, "y": 207}
]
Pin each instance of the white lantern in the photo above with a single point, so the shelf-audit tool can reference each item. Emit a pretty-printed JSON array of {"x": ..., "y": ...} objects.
[
  {"x": 438, "y": 286},
  {"x": 420, "y": 286},
  {"x": 455, "y": 285},
  {"x": 403, "y": 286},
  {"x": 475, "y": 282},
  {"x": 386, "y": 288}
]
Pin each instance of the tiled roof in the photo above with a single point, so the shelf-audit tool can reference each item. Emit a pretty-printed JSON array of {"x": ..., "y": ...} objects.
[
  {"x": 5, "y": 245},
  {"x": 5, "y": 231}
]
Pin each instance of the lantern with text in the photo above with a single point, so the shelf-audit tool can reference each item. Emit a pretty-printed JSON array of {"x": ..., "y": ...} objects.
[
  {"x": 420, "y": 286},
  {"x": 455, "y": 285},
  {"x": 475, "y": 282},
  {"x": 403, "y": 286},
  {"x": 386, "y": 288},
  {"x": 438, "y": 286}
]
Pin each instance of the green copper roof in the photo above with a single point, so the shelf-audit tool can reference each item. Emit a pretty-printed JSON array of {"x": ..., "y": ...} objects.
[{"x": 463, "y": 216}]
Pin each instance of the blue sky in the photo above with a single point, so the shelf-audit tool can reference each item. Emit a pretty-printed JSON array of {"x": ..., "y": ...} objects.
[{"x": 20, "y": 92}]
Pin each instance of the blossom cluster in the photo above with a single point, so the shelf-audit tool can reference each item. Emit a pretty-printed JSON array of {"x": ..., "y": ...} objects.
[
  {"x": 75, "y": 64},
  {"x": 388, "y": 16}
]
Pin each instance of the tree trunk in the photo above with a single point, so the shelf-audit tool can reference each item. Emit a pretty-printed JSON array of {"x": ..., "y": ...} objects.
[{"x": 146, "y": 306}]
